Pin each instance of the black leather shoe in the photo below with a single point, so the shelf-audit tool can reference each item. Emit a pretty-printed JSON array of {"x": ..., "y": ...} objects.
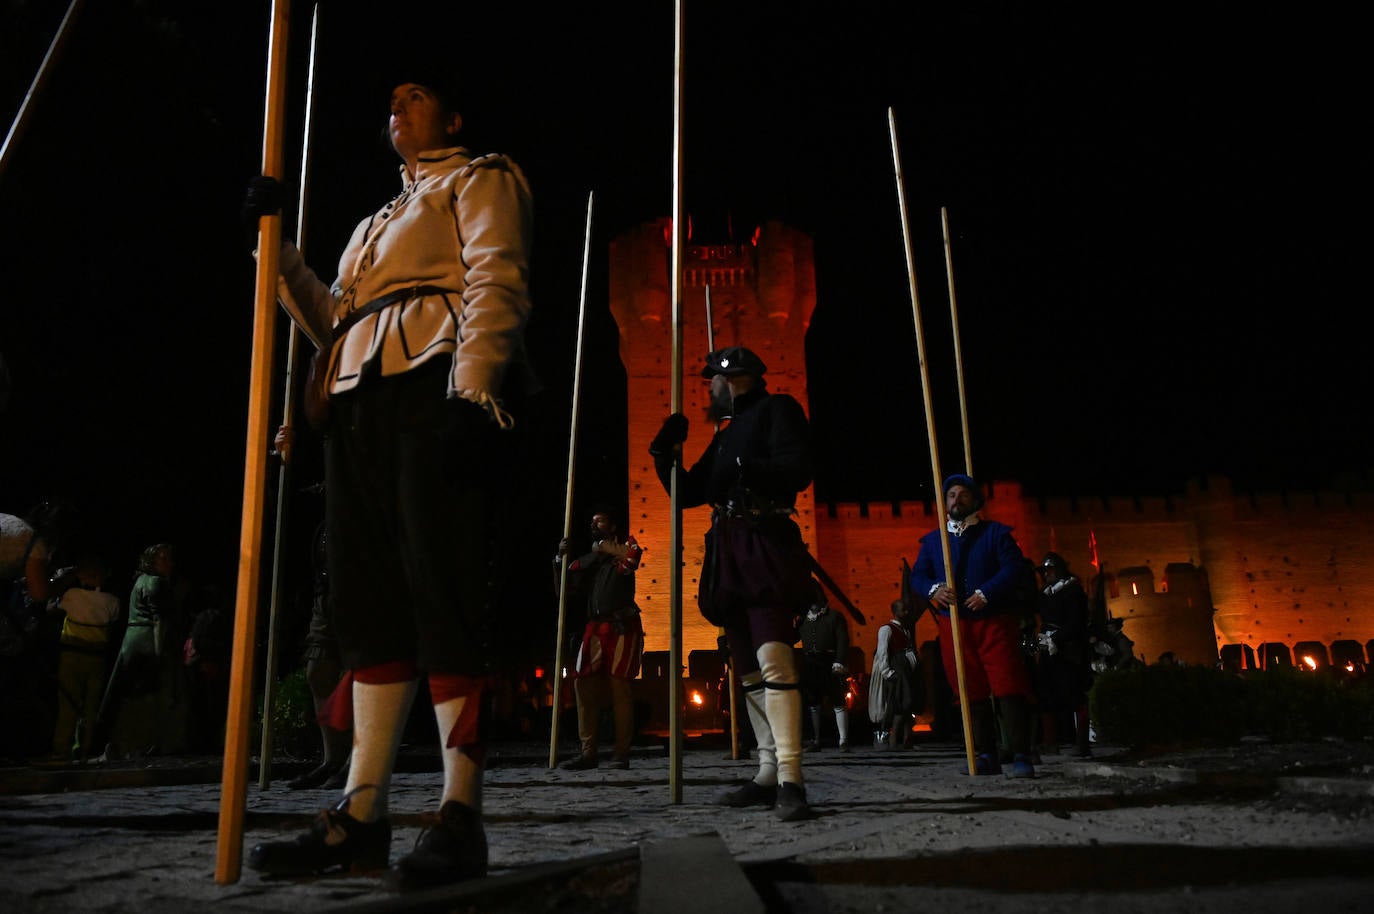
[
  {"x": 336, "y": 840},
  {"x": 580, "y": 763},
  {"x": 453, "y": 848},
  {"x": 791, "y": 805},
  {"x": 338, "y": 780},
  {"x": 748, "y": 794},
  {"x": 316, "y": 777}
]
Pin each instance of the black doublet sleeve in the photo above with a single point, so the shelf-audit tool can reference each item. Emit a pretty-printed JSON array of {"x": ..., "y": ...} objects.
[
  {"x": 841, "y": 637},
  {"x": 692, "y": 486},
  {"x": 1067, "y": 610},
  {"x": 766, "y": 449}
]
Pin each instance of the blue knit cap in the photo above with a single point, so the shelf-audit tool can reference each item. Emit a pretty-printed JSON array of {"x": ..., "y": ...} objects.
[{"x": 961, "y": 479}]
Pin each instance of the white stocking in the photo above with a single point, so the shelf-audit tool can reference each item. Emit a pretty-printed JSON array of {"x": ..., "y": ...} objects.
[
  {"x": 777, "y": 662},
  {"x": 763, "y": 733},
  {"x": 462, "y": 773},
  {"x": 380, "y": 711}
]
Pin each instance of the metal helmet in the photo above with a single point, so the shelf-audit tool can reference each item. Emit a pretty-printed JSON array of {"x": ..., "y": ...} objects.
[{"x": 1056, "y": 561}]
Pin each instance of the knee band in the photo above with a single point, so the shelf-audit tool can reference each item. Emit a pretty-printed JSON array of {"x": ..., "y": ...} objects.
[
  {"x": 448, "y": 686},
  {"x": 386, "y": 673}
]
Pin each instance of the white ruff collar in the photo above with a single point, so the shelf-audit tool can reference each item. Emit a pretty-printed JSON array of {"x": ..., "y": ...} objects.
[
  {"x": 957, "y": 527},
  {"x": 1059, "y": 585}
]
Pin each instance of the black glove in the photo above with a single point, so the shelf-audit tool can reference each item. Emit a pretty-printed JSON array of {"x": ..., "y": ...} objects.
[
  {"x": 673, "y": 433},
  {"x": 264, "y": 198}
]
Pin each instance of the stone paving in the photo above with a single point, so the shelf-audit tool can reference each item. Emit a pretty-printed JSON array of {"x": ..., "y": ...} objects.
[{"x": 894, "y": 831}]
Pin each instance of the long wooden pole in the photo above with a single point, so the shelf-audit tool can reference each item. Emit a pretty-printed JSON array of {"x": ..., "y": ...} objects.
[
  {"x": 720, "y": 630},
  {"x": 958, "y": 351},
  {"x": 235, "y": 777},
  {"x": 288, "y": 412},
  {"x": 40, "y": 79},
  {"x": 934, "y": 447},
  {"x": 568, "y": 493},
  {"x": 675, "y": 539}
]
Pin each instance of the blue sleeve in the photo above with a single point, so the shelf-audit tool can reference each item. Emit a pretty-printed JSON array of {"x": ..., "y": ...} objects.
[
  {"x": 928, "y": 571},
  {"x": 1002, "y": 586}
]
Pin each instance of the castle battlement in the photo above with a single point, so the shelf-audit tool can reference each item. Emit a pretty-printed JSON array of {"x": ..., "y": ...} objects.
[
  {"x": 1285, "y": 567},
  {"x": 1075, "y": 510}
]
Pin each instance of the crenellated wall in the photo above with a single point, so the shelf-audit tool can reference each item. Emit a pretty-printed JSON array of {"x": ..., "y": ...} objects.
[
  {"x": 1274, "y": 568},
  {"x": 1189, "y": 573}
]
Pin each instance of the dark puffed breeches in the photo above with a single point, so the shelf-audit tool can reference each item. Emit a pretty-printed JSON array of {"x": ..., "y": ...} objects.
[
  {"x": 408, "y": 513},
  {"x": 759, "y": 626}
]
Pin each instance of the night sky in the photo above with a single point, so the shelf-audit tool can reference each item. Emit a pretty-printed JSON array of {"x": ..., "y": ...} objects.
[{"x": 1157, "y": 220}]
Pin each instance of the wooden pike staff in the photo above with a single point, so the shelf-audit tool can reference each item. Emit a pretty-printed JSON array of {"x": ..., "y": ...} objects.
[
  {"x": 958, "y": 352},
  {"x": 934, "y": 449},
  {"x": 720, "y": 630},
  {"x": 40, "y": 79},
  {"x": 229, "y": 857},
  {"x": 568, "y": 498},
  {"x": 675, "y": 538},
  {"x": 288, "y": 413}
]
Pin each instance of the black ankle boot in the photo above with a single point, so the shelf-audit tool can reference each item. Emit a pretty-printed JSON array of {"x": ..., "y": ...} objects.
[
  {"x": 452, "y": 849},
  {"x": 335, "y": 840},
  {"x": 316, "y": 777}
]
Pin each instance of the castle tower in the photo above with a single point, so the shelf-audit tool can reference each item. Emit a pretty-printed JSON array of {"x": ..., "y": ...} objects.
[
  {"x": 763, "y": 293},
  {"x": 1177, "y": 619}
]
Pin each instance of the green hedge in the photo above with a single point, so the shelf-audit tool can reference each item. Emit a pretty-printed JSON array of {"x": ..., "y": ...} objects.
[
  {"x": 295, "y": 732},
  {"x": 1168, "y": 704}
]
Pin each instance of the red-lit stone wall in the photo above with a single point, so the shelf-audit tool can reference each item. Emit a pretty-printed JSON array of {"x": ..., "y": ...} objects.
[{"x": 1280, "y": 569}]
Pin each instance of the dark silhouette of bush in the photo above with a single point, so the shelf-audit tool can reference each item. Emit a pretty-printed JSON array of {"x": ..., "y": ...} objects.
[{"x": 1172, "y": 705}]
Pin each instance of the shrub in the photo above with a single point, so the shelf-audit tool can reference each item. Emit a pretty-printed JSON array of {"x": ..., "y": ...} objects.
[
  {"x": 294, "y": 729},
  {"x": 1168, "y": 704}
]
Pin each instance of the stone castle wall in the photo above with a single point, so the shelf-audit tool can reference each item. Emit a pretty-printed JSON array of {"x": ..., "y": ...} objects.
[{"x": 1276, "y": 568}]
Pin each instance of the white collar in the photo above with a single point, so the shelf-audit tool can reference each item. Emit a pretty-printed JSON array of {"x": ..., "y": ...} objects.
[{"x": 957, "y": 527}]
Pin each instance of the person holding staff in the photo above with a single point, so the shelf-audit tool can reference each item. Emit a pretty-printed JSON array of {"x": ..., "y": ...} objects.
[
  {"x": 425, "y": 326},
  {"x": 988, "y": 568},
  {"x": 757, "y": 573}
]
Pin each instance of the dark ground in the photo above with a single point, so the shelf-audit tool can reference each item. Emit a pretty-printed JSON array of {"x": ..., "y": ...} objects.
[{"x": 1254, "y": 827}]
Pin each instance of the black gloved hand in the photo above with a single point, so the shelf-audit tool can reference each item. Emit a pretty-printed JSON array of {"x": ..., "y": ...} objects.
[
  {"x": 673, "y": 433},
  {"x": 264, "y": 198}
]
